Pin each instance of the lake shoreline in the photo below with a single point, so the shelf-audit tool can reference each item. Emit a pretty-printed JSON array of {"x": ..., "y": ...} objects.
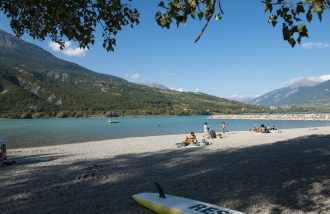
[
  {"x": 284, "y": 116},
  {"x": 322, "y": 116},
  {"x": 46, "y": 132},
  {"x": 245, "y": 171}
]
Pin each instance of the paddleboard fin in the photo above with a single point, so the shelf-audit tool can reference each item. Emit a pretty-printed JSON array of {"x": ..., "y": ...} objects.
[{"x": 160, "y": 190}]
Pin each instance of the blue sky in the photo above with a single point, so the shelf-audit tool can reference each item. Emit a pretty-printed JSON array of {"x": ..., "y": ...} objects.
[{"x": 240, "y": 55}]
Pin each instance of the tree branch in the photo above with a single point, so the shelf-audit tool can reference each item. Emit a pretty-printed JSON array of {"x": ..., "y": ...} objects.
[
  {"x": 207, "y": 22},
  {"x": 281, "y": 3}
]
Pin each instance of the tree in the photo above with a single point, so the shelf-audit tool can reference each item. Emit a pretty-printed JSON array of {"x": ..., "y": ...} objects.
[
  {"x": 290, "y": 13},
  {"x": 77, "y": 19}
]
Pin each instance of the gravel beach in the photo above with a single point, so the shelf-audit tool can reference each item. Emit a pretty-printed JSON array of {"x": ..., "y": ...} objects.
[{"x": 282, "y": 172}]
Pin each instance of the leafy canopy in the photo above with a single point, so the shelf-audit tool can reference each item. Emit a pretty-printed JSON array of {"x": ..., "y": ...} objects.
[{"x": 77, "y": 19}]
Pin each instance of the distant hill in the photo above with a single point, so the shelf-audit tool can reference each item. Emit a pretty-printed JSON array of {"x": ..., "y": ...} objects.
[
  {"x": 34, "y": 83},
  {"x": 155, "y": 85},
  {"x": 309, "y": 94}
]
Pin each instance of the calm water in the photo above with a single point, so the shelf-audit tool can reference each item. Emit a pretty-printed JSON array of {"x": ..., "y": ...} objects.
[{"x": 41, "y": 132}]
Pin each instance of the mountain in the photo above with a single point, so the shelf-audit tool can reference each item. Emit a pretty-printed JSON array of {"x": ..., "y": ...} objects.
[
  {"x": 34, "y": 83},
  {"x": 155, "y": 85},
  {"x": 241, "y": 98},
  {"x": 308, "y": 94}
]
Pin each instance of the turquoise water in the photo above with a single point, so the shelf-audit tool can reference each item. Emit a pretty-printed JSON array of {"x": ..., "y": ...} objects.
[{"x": 42, "y": 132}]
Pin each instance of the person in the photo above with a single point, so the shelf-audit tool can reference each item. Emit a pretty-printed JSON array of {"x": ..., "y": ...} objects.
[
  {"x": 262, "y": 128},
  {"x": 212, "y": 133},
  {"x": 267, "y": 129},
  {"x": 273, "y": 128},
  {"x": 191, "y": 139},
  {"x": 206, "y": 131},
  {"x": 223, "y": 126}
]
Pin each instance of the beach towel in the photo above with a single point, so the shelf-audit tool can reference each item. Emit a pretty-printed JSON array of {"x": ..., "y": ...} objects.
[{"x": 179, "y": 145}]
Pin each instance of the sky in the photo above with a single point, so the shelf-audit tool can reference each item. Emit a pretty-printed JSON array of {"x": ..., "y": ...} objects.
[{"x": 240, "y": 56}]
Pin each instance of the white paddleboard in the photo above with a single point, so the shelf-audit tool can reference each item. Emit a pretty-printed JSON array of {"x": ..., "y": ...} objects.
[{"x": 178, "y": 205}]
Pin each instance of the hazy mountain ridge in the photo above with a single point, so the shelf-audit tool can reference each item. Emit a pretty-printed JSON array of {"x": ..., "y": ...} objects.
[
  {"x": 154, "y": 85},
  {"x": 308, "y": 94},
  {"x": 34, "y": 83}
]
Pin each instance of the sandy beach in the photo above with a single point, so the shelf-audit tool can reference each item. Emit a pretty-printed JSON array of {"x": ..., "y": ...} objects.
[{"x": 282, "y": 172}]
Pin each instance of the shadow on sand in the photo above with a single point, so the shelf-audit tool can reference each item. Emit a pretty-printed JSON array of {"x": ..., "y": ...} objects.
[{"x": 287, "y": 176}]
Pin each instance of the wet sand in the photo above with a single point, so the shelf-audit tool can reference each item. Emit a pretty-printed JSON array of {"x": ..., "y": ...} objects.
[{"x": 282, "y": 172}]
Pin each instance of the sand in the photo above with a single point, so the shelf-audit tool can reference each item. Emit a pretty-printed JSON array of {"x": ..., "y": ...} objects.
[{"x": 282, "y": 172}]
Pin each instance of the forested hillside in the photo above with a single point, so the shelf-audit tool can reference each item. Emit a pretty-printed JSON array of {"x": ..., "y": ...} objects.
[{"x": 34, "y": 83}]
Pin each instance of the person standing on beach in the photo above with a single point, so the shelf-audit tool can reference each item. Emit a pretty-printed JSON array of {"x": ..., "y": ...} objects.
[
  {"x": 206, "y": 130},
  {"x": 223, "y": 126}
]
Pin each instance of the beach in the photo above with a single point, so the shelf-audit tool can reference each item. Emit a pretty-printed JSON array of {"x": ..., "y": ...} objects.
[{"x": 283, "y": 172}]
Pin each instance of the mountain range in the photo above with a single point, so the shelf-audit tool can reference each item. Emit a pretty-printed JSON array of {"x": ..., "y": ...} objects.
[
  {"x": 34, "y": 83},
  {"x": 307, "y": 93}
]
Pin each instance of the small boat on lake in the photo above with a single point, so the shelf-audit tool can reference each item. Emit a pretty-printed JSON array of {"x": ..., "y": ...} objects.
[{"x": 113, "y": 121}]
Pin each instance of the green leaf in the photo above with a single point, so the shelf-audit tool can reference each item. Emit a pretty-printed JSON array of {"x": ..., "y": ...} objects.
[
  {"x": 161, "y": 4},
  {"x": 272, "y": 20},
  {"x": 200, "y": 15},
  {"x": 317, "y": 7},
  {"x": 300, "y": 9},
  {"x": 163, "y": 21},
  {"x": 268, "y": 7},
  {"x": 292, "y": 42},
  {"x": 302, "y": 28},
  {"x": 309, "y": 16},
  {"x": 286, "y": 32}
]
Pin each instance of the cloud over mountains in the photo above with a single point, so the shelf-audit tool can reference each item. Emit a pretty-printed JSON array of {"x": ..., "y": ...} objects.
[
  {"x": 307, "y": 81},
  {"x": 68, "y": 50}
]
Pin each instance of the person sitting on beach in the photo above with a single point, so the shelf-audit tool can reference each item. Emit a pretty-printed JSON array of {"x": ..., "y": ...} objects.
[
  {"x": 273, "y": 128},
  {"x": 212, "y": 133},
  {"x": 191, "y": 139},
  {"x": 262, "y": 129}
]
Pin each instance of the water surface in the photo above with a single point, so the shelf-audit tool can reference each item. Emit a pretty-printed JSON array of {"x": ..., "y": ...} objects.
[{"x": 43, "y": 132}]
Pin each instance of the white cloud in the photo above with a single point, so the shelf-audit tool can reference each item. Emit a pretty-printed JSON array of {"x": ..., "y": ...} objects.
[
  {"x": 136, "y": 77},
  {"x": 68, "y": 50},
  {"x": 75, "y": 52},
  {"x": 243, "y": 97},
  {"x": 179, "y": 89},
  {"x": 197, "y": 90},
  {"x": 319, "y": 45},
  {"x": 54, "y": 46},
  {"x": 307, "y": 81}
]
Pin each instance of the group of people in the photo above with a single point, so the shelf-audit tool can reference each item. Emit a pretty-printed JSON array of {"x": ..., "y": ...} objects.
[
  {"x": 209, "y": 133},
  {"x": 263, "y": 129}
]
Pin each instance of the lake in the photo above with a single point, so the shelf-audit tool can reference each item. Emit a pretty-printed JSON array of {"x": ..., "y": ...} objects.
[{"x": 43, "y": 132}]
